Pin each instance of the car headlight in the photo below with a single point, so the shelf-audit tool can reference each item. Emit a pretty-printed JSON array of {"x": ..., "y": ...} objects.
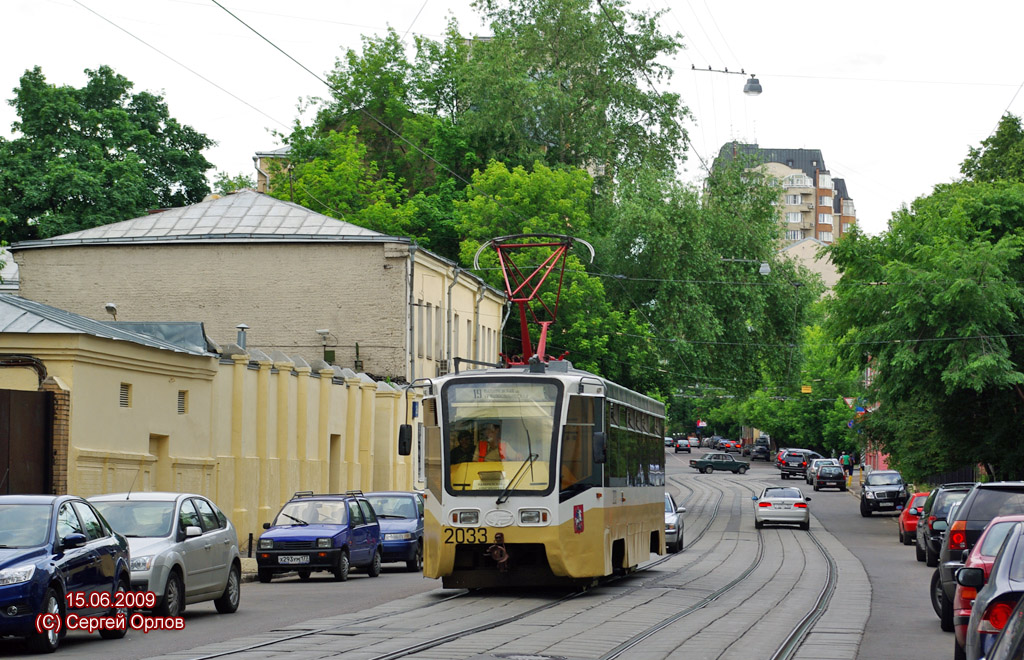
[
  {"x": 404, "y": 536},
  {"x": 266, "y": 544},
  {"x": 17, "y": 574},
  {"x": 869, "y": 495},
  {"x": 142, "y": 563},
  {"x": 324, "y": 543},
  {"x": 670, "y": 527}
]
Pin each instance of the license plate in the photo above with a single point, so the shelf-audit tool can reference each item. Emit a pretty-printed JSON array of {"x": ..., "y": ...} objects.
[
  {"x": 885, "y": 505},
  {"x": 293, "y": 559},
  {"x": 786, "y": 506}
]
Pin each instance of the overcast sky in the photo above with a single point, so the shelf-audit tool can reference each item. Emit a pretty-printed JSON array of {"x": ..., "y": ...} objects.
[{"x": 892, "y": 93}]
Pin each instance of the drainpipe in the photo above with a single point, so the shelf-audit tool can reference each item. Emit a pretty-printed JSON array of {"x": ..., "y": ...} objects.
[
  {"x": 449, "y": 335},
  {"x": 476, "y": 322},
  {"x": 411, "y": 347},
  {"x": 266, "y": 177}
]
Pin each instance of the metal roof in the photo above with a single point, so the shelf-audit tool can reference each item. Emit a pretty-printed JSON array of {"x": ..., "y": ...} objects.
[
  {"x": 245, "y": 216},
  {"x": 809, "y": 161},
  {"x": 20, "y": 315}
]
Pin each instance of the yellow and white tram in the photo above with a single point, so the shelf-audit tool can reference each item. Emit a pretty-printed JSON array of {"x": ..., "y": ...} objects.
[{"x": 539, "y": 474}]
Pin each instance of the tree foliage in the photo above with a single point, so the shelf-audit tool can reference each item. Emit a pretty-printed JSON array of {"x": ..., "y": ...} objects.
[
  {"x": 225, "y": 184},
  {"x": 1000, "y": 157},
  {"x": 92, "y": 156}
]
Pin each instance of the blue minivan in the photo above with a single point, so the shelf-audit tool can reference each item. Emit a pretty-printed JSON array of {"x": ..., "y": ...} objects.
[
  {"x": 321, "y": 533},
  {"x": 401, "y": 524}
]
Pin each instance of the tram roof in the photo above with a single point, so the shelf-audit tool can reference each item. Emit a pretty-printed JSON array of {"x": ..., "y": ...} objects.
[{"x": 615, "y": 391}]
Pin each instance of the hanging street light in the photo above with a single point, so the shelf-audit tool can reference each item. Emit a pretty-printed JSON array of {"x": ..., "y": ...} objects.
[{"x": 752, "y": 86}]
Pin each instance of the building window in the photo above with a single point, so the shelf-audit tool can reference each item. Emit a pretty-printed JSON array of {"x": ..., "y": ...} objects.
[
  {"x": 793, "y": 199},
  {"x": 824, "y": 218},
  {"x": 455, "y": 338},
  {"x": 430, "y": 331},
  {"x": 825, "y": 181},
  {"x": 793, "y": 218},
  {"x": 126, "y": 395},
  {"x": 182, "y": 402},
  {"x": 469, "y": 339},
  {"x": 419, "y": 327},
  {"x": 792, "y": 234},
  {"x": 825, "y": 236},
  {"x": 824, "y": 200},
  {"x": 438, "y": 334},
  {"x": 846, "y": 227}
]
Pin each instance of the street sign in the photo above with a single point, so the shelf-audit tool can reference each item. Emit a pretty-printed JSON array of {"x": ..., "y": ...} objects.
[{"x": 806, "y": 389}]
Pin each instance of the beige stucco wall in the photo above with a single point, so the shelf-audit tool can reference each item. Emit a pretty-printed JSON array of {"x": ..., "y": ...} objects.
[
  {"x": 805, "y": 253},
  {"x": 284, "y": 292},
  {"x": 254, "y": 432}
]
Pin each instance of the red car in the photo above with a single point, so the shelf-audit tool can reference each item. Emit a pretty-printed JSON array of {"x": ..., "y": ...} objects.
[
  {"x": 907, "y": 523},
  {"x": 982, "y": 556}
]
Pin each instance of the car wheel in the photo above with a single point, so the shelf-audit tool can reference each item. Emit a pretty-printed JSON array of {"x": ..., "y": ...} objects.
[
  {"x": 758, "y": 524},
  {"x": 919, "y": 551},
  {"x": 785, "y": 475},
  {"x": 816, "y": 488},
  {"x": 708, "y": 469},
  {"x": 842, "y": 489},
  {"x": 806, "y": 526},
  {"x": 864, "y": 510},
  {"x": 742, "y": 470},
  {"x": 47, "y": 641},
  {"x": 264, "y": 574},
  {"x": 899, "y": 532},
  {"x": 946, "y": 612},
  {"x": 304, "y": 575},
  {"x": 228, "y": 601},
  {"x": 374, "y": 567},
  {"x": 935, "y": 594},
  {"x": 416, "y": 563},
  {"x": 930, "y": 558},
  {"x": 117, "y": 633},
  {"x": 958, "y": 651},
  {"x": 341, "y": 570},
  {"x": 173, "y": 603}
]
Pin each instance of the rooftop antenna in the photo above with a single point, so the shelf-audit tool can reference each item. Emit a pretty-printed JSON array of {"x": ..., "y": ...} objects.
[
  {"x": 522, "y": 288},
  {"x": 133, "y": 483},
  {"x": 4, "y": 480}
]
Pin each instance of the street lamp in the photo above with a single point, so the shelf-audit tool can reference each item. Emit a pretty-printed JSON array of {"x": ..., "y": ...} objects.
[
  {"x": 765, "y": 269},
  {"x": 752, "y": 86}
]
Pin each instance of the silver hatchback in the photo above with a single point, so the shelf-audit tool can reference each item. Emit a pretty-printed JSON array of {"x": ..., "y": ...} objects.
[{"x": 183, "y": 548}]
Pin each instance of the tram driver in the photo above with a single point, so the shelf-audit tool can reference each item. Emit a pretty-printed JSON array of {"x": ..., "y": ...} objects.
[
  {"x": 493, "y": 448},
  {"x": 462, "y": 447}
]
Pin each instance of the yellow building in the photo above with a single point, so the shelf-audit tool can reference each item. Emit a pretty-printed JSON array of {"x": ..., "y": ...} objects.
[{"x": 97, "y": 408}]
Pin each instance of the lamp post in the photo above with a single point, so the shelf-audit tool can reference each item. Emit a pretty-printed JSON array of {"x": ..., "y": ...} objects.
[
  {"x": 751, "y": 88},
  {"x": 765, "y": 269}
]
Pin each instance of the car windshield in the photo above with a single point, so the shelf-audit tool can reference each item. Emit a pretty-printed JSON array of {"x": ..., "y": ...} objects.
[
  {"x": 393, "y": 506},
  {"x": 138, "y": 518},
  {"x": 785, "y": 493},
  {"x": 943, "y": 504},
  {"x": 669, "y": 506},
  {"x": 992, "y": 502},
  {"x": 313, "y": 512},
  {"x": 24, "y": 525},
  {"x": 884, "y": 479},
  {"x": 830, "y": 471}
]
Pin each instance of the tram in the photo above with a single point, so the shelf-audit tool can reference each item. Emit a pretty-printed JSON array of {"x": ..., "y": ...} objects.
[{"x": 538, "y": 473}]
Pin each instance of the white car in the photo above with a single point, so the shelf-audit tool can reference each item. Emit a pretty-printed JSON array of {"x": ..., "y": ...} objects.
[
  {"x": 673, "y": 525},
  {"x": 183, "y": 548},
  {"x": 781, "y": 504},
  {"x": 812, "y": 469}
]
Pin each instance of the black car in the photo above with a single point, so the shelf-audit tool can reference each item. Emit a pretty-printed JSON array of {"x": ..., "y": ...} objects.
[
  {"x": 983, "y": 503},
  {"x": 932, "y": 522},
  {"x": 57, "y": 553},
  {"x": 830, "y": 476},
  {"x": 760, "y": 452},
  {"x": 795, "y": 461},
  {"x": 682, "y": 444},
  {"x": 883, "y": 490}
]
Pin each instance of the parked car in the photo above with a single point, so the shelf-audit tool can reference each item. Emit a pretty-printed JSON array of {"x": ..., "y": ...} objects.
[
  {"x": 51, "y": 546},
  {"x": 721, "y": 462},
  {"x": 829, "y": 476},
  {"x": 782, "y": 504},
  {"x": 998, "y": 597},
  {"x": 669, "y": 441},
  {"x": 931, "y": 523},
  {"x": 883, "y": 490},
  {"x": 321, "y": 533},
  {"x": 977, "y": 509},
  {"x": 400, "y": 515},
  {"x": 795, "y": 461},
  {"x": 683, "y": 444},
  {"x": 982, "y": 556},
  {"x": 812, "y": 467},
  {"x": 760, "y": 453},
  {"x": 673, "y": 524},
  {"x": 906, "y": 524},
  {"x": 1009, "y": 645},
  {"x": 183, "y": 548}
]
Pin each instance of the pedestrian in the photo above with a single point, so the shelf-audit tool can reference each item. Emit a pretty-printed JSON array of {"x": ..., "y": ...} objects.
[{"x": 847, "y": 462}]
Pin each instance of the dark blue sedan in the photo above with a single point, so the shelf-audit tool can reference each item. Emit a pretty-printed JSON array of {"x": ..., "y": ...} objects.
[
  {"x": 58, "y": 557},
  {"x": 401, "y": 526}
]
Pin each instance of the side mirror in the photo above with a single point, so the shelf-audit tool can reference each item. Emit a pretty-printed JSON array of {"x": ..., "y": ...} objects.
[
  {"x": 600, "y": 447},
  {"x": 266, "y": 525},
  {"x": 405, "y": 439},
  {"x": 192, "y": 531},
  {"x": 73, "y": 541},
  {"x": 939, "y": 525},
  {"x": 681, "y": 509},
  {"x": 913, "y": 512},
  {"x": 754, "y": 498},
  {"x": 970, "y": 577},
  {"x": 807, "y": 499}
]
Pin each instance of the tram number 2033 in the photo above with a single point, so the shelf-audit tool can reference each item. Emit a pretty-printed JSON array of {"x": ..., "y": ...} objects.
[{"x": 465, "y": 535}]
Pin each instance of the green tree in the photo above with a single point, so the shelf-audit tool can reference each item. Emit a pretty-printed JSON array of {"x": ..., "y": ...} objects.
[
  {"x": 934, "y": 307},
  {"x": 225, "y": 184},
  {"x": 92, "y": 156},
  {"x": 1000, "y": 156}
]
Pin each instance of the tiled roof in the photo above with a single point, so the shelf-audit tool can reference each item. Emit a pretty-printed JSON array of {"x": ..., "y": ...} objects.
[
  {"x": 20, "y": 315},
  {"x": 244, "y": 216}
]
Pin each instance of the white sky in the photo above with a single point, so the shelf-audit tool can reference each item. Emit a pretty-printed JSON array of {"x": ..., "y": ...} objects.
[{"x": 893, "y": 93}]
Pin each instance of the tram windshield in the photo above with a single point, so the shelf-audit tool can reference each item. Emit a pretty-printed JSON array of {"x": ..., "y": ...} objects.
[{"x": 500, "y": 435}]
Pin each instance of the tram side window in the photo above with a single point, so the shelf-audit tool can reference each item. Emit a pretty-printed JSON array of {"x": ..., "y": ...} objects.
[
  {"x": 578, "y": 467},
  {"x": 432, "y": 448}
]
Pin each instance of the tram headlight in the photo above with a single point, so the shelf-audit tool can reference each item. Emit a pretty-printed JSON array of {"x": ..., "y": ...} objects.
[
  {"x": 533, "y": 517},
  {"x": 469, "y": 517}
]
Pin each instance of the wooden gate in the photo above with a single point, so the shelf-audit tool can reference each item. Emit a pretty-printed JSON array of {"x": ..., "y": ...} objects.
[{"x": 26, "y": 456}]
